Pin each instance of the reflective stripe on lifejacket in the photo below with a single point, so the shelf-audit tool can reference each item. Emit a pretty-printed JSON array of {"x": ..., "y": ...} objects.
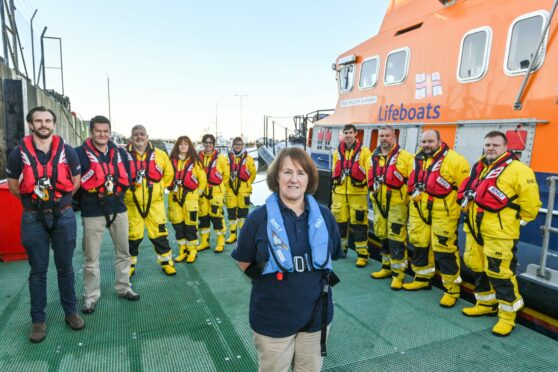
[
  {"x": 55, "y": 177},
  {"x": 388, "y": 173},
  {"x": 349, "y": 167},
  {"x": 430, "y": 179},
  {"x": 100, "y": 171},
  {"x": 214, "y": 177},
  {"x": 280, "y": 256}
]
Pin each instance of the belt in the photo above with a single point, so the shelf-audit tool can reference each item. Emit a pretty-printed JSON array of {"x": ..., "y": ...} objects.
[{"x": 47, "y": 211}]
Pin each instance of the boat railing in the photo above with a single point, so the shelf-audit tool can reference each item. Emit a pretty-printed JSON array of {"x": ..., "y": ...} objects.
[
  {"x": 270, "y": 140},
  {"x": 294, "y": 136},
  {"x": 547, "y": 228},
  {"x": 541, "y": 272}
]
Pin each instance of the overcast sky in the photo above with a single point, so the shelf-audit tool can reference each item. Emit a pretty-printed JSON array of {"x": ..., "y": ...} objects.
[{"x": 172, "y": 62}]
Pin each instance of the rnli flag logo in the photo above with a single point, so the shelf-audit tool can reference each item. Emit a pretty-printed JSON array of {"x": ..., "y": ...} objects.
[{"x": 428, "y": 85}]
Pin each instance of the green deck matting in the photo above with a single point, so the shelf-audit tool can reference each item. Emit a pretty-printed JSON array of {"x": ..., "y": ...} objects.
[{"x": 198, "y": 321}]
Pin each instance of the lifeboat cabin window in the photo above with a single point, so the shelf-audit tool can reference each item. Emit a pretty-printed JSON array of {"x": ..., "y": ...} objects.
[
  {"x": 369, "y": 73},
  {"x": 397, "y": 65},
  {"x": 346, "y": 78},
  {"x": 474, "y": 55},
  {"x": 523, "y": 39}
]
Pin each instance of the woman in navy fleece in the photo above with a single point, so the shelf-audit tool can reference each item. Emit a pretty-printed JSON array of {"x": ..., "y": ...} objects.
[{"x": 286, "y": 248}]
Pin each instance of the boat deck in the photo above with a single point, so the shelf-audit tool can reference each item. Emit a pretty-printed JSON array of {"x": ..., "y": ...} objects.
[{"x": 198, "y": 321}]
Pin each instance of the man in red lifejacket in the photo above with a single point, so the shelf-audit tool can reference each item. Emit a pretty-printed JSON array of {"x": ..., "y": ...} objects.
[
  {"x": 434, "y": 216},
  {"x": 239, "y": 188},
  {"x": 500, "y": 195},
  {"x": 349, "y": 202},
  {"x": 388, "y": 170},
  {"x": 44, "y": 173},
  {"x": 104, "y": 182},
  {"x": 211, "y": 202},
  {"x": 151, "y": 173}
]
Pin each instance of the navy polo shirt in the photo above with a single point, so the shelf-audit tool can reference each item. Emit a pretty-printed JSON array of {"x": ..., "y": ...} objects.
[
  {"x": 281, "y": 308},
  {"x": 89, "y": 201},
  {"x": 14, "y": 167}
]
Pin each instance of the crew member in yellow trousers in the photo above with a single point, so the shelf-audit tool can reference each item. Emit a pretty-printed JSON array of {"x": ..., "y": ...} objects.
[
  {"x": 239, "y": 188},
  {"x": 500, "y": 195},
  {"x": 216, "y": 169},
  {"x": 437, "y": 173},
  {"x": 388, "y": 169},
  {"x": 349, "y": 201},
  {"x": 151, "y": 172},
  {"x": 189, "y": 182}
]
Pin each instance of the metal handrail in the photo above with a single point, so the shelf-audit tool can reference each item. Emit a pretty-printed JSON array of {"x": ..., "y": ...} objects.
[
  {"x": 518, "y": 105},
  {"x": 547, "y": 227}
]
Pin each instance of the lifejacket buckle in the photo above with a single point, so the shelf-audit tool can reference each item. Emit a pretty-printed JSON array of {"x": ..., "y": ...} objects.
[
  {"x": 177, "y": 184},
  {"x": 234, "y": 174},
  {"x": 416, "y": 194},
  {"x": 41, "y": 189},
  {"x": 44, "y": 182},
  {"x": 40, "y": 192},
  {"x": 467, "y": 197},
  {"x": 139, "y": 175},
  {"x": 109, "y": 185}
]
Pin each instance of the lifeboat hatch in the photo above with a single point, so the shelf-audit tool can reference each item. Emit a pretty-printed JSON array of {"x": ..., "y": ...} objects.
[{"x": 469, "y": 137}]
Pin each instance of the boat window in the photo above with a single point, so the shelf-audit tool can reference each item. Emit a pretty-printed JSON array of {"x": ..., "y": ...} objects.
[
  {"x": 346, "y": 78},
  {"x": 397, "y": 64},
  {"x": 369, "y": 73},
  {"x": 523, "y": 38},
  {"x": 373, "y": 140},
  {"x": 474, "y": 55},
  {"x": 360, "y": 135}
]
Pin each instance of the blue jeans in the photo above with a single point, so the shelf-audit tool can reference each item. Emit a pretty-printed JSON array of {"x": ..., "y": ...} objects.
[{"x": 36, "y": 241}]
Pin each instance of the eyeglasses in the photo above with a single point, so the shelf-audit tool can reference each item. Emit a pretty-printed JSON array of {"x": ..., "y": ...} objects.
[
  {"x": 208, "y": 142},
  {"x": 238, "y": 144}
]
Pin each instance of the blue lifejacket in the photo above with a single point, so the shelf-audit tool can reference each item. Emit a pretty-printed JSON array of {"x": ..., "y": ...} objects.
[{"x": 280, "y": 257}]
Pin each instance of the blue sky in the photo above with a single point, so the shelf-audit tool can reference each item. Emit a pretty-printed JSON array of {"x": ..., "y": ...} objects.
[{"x": 171, "y": 62}]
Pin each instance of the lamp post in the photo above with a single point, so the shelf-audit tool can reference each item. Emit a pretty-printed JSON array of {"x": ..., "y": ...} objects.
[
  {"x": 241, "y": 112},
  {"x": 61, "y": 68},
  {"x": 33, "y": 46}
]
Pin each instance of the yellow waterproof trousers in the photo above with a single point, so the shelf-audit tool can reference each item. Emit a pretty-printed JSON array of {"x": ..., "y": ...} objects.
[
  {"x": 392, "y": 233},
  {"x": 497, "y": 260},
  {"x": 437, "y": 241}
]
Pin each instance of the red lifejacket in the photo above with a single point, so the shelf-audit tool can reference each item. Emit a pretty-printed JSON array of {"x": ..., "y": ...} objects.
[
  {"x": 53, "y": 178},
  {"x": 430, "y": 179},
  {"x": 350, "y": 167},
  {"x": 484, "y": 189},
  {"x": 184, "y": 178},
  {"x": 147, "y": 168},
  {"x": 388, "y": 173},
  {"x": 101, "y": 172},
  {"x": 239, "y": 169},
  {"x": 214, "y": 177}
]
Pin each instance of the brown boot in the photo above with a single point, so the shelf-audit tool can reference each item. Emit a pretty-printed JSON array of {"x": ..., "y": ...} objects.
[
  {"x": 75, "y": 322},
  {"x": 38, "y": 333}
]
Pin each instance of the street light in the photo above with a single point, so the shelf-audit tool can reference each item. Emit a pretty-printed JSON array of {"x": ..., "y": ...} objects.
[
  {"x": 241, "y": 116},
  {"x": 61, "y": 68}
]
